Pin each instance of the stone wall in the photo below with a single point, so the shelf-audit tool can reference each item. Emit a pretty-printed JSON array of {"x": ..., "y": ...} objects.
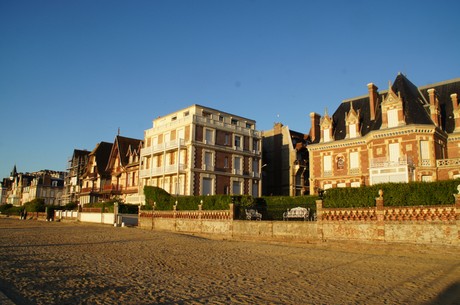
[{"x": 425, "y": 225}]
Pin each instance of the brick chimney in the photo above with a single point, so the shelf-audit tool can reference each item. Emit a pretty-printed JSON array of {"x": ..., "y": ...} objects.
[
  {"x": 315, "y": 130},
  {"x": 456, "y": 110},
  {"x": 373, "y": 96},
  {"x": 434, "y": 106}
]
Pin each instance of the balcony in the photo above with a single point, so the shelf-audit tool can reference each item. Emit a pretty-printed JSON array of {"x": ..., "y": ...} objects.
[
  {"x": 448, "y": 163},
  {"x": 207, "y": 167},
  {"x": 159, "y": 171},
  {"x": 88, "y": 190},
  {"x": 384, "y": 170},
  {"x": 354, "y": 171},
  {"x": 386, "y": 162},
  {"x": 158, "y": 148}
]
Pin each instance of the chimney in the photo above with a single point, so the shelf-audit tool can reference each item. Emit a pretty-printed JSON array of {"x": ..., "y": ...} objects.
[
  {"x": 455, "y": 110},
  {"x": 315, "y": 129},
  {"x": 454, "y": 99},
  {"x": 434, "y": 110},
  {"x": 373, "y": 96}
]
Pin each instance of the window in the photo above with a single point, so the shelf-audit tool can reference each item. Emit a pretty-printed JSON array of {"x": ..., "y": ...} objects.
[
  {"x": 207, "y": 186},
  {"x": 236, "y": 187},
  {"x": 326, "y": 135},
  {"x": 327, "y": 165},
  {"x": 394, "y": 152},
  {"x": 226, "y": 162},
  {"x": 255, "y": 190},
  {"x": 181, "y": 134},
  {"x": 354, "y": 160},
  {"x": 209, "y": 136},
  {"x": 255, "y": 145},
  {"x": 174, "y": 118},
  {"x": 227, "y": 139},
  {"x": 186, "y": 113},
  {"x": 425, "y": 153},
  {"x": 392, "y": 115},
  {"x": 352, "y": 128},
  {"x": 221, "y": 118},
  {"x": 255, "y": 165},
  {"x": 234, "y": 122},
  {"x": 248, "y": 125},
  {"x": 208, "y": 159},
  {"x": 237, "y": 163},
  {"x": 237, "y": 141}
]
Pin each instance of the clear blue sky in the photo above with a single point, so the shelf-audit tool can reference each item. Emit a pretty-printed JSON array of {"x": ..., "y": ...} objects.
[{"x": 73, "y": 72}]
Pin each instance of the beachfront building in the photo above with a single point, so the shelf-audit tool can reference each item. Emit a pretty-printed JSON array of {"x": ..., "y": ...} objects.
[
  {"x": 406, "y": 133},
  {"x": 202, "y": 151},
  {"x": 123, "y": 167},
  {"x": 73, "y": 181},
  {"x": 96, "y": 175},
  {"x": 25, "y": 187},
  {"x": 284, "y": 162}
]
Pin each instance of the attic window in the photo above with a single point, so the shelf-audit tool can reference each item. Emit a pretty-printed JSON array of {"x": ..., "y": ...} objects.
[
  {"x": 174, "y": 118},
  {"x": 186, "y": 113},
  {"x": 234, "y": 122},
  {"x": 352, "y": 130}
]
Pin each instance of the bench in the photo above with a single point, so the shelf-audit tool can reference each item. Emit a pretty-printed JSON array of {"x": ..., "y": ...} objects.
[
  {"x": 297, "y": 213},
  {"x": 252, "y": 214}
]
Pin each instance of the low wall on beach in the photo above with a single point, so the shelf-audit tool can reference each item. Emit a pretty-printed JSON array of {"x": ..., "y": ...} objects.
[{"x": 424, "y": 225}]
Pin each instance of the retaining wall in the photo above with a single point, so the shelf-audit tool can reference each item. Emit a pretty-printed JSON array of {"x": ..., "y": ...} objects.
[{"x": 425, "y": 225}]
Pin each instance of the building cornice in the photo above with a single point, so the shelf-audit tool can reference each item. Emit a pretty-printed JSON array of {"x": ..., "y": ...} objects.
[{"x": 380, "y": 134}]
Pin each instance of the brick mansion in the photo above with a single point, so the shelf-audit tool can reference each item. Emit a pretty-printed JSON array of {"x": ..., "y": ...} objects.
[{"x": 401, "y": 134}]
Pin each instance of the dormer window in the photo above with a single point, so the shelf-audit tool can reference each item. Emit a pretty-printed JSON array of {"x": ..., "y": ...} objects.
[
  {"x": 352, "y": 130},
  {"x": 326, "y": 135},
  {"x": 392, "y": 115}
]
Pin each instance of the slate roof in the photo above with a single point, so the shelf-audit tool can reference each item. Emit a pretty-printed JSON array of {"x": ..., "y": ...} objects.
[
  {"x": 415, "y": 105},
  {"x": 121, "y": 146},
  {"x": 102, "y": 154},
  {"x": 443, "y": 91}
]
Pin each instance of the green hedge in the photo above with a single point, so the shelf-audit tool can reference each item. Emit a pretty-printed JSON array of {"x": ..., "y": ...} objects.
[
  {"x": 9, "y": 209},
  {"x": 394, "y": 194},
  {"x": 164, "y": 201}
]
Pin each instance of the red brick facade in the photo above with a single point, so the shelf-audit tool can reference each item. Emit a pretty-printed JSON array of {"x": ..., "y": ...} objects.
[{"x": 402, "y": 134}]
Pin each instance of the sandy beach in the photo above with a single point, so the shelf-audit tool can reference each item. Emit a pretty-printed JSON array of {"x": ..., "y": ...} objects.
[{"x": 75, "y": 263}]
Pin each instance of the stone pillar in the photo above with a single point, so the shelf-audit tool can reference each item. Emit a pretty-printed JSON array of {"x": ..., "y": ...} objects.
[
  {"x": 379, "y": 212},
  {"x": 232, "y": 211},
  {"x": 200, "y": 209},
  {"x": 319, "y": 219}
]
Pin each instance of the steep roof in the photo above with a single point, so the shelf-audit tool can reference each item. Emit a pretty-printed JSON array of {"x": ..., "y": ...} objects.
[
  {"x": 102, "y": 154},
  {"x": 413, "y": 101},
  {"x": 415, "y": 106},
  {"x": 123, "y": 145},
  {"x": 443, "y": 91}
]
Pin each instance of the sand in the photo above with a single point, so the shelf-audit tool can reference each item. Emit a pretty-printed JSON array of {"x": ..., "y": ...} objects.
[{"x": 74, "y": 263}]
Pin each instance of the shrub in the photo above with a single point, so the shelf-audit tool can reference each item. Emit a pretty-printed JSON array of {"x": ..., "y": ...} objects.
[
  {"x": 71, "y": 206},
  {"x": 36, "y": 205}
]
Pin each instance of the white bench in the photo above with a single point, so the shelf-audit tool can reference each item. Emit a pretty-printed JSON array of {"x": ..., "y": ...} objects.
[
  {"x": 253, "y": 214},
  {"x": 297, "y": 213}
]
